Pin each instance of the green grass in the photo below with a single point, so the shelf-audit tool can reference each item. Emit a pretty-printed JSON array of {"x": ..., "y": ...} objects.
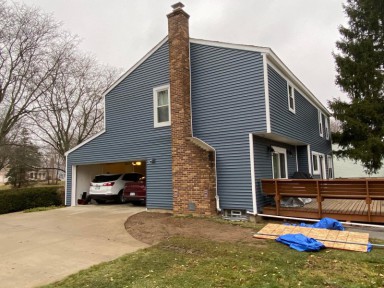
[
  {"x": 5, "y": 187},
  {"x": 186, "y": 262},
  {"x": 39, "y": 209}
]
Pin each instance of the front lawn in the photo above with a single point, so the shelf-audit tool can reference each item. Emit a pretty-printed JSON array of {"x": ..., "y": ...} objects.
[{"x": 193, "y": 262}]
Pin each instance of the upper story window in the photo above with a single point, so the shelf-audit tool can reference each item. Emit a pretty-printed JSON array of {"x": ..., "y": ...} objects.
[
  {"x": 291, "y": 98},
  {"x": 326, "y": 128},
  {"x": 320, "y": 116},
  {"x": 279, "y": 162},
  {"x": 161, "y": 106}
]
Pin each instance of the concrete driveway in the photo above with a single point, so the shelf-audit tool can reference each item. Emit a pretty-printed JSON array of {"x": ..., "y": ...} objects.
[{"x": 42, "y": 247}]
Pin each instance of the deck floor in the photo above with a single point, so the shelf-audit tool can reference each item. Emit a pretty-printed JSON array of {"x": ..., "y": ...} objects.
[{"x": 354, "y": 210}]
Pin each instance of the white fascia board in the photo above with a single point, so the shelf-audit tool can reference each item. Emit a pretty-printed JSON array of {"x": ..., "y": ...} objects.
[
  {"x": 275, "y": 61},
  {"x": 230, "y": 45},
  {"x": 117, "y": 82}
]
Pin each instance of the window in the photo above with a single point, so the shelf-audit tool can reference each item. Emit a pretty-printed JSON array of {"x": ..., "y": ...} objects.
[
  {"x": 315, "y": 163},
  {"x": 291, "y": 98},
  {"x": 318, "y": 164},
  {"x": 320, "y": 123},
  {"x": 326, "y": 128},
  {"x": 279, "y": 162},
  {"x": 161, "y": 106},
  {"x": 330, "y": 166}
]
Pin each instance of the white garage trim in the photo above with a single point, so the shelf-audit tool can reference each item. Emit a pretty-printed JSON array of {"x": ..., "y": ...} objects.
[{"x": 73, "y": 189}]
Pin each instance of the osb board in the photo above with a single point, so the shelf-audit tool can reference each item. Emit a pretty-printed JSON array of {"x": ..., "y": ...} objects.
[{"x": 321, "y": 235}]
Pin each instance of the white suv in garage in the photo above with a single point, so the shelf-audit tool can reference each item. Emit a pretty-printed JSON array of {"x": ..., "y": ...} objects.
[{"x": 110, "y": 186}]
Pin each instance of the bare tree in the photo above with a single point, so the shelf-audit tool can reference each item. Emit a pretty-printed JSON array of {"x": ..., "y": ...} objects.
[
  {"x": 32, "y": 47},
  {"x": 71, "y": 110},
  {"x": 335, "y": 125}
]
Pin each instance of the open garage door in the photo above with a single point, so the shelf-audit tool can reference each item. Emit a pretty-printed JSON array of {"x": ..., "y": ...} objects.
[{"x": 85, "y": 174}]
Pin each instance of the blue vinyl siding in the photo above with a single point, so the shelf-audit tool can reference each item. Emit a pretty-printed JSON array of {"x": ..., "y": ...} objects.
[
  {"x": 303, "y": 125},
  {"x": 130, "y": 134},
  {"x": 228, "y": 103}
]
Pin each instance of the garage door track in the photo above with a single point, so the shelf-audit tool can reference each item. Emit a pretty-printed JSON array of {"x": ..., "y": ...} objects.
[{"x": 42, "y": 247}]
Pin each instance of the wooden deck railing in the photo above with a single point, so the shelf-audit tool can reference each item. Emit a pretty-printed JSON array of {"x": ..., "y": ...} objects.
[{"x": 348, "y": 189}]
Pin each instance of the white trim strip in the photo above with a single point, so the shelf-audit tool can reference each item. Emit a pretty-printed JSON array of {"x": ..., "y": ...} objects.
[
  {"x": 266, "y": 92},
  {"x": 66, "y": 181},
  {"x": 309, "y": 160},
  {"x": 73, "y": 185},
  {"x": 252, "y": 162}
]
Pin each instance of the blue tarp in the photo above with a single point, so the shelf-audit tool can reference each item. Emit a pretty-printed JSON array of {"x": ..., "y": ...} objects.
[
  {"x": 326, "y": 223},
  {"x": 300, "y": 242}
]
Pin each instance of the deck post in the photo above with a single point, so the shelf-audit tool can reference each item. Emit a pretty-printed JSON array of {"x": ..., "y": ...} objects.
[
  {"x": 368, "y": 200},
  {"x": 319, "y": 199},
  {"x": 277, "y": 198}
]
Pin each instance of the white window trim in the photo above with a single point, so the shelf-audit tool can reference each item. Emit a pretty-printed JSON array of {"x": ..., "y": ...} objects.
[
  {"x": 155, "y": 93},
  {"x": 320, "y": 123},
  {"x": 293, "y": 110},
  {"x": 326, "y": 128},
  {"x": 317, "y": 172},
  {"x": 281, "y": 151}
]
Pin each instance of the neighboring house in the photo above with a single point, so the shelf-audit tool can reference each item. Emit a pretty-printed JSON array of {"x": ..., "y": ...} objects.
[
  {"x": 207, "y": 120},
  {"x": 347, "y": 168},
  {"x": 38, "y": 175},
  {"x": 3, "y": 177}
]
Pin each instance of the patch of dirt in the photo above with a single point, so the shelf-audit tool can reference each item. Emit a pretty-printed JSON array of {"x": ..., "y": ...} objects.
[{"x": 152, "y": 227}]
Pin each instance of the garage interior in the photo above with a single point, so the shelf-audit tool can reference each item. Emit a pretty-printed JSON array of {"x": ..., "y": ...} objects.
[{"x": 85, "y": 173}]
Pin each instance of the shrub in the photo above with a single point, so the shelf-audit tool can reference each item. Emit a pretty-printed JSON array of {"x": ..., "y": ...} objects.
[{"x": 14, "y": 200}]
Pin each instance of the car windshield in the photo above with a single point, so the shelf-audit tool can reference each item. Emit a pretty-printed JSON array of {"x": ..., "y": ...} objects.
[{"x": 106, "y": 178}]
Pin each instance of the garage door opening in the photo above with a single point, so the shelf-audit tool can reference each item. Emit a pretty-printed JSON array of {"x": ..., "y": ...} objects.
[{"x": 107, "y": 181}]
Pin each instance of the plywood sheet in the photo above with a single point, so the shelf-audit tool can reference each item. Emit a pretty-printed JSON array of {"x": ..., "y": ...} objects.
[{"x": 272, "y": 231}]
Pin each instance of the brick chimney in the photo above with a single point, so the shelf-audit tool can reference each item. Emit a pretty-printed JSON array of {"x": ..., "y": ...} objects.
[{"x": 193, "y": 171}]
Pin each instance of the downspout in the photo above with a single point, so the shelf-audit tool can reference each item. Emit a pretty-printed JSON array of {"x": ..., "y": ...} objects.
[
  {"x": 252, "y": 163},
  {"x": 214, "y": 150}
]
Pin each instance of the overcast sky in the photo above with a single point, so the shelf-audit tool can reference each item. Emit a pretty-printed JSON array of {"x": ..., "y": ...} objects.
[{"x": 301, "y": 32}]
